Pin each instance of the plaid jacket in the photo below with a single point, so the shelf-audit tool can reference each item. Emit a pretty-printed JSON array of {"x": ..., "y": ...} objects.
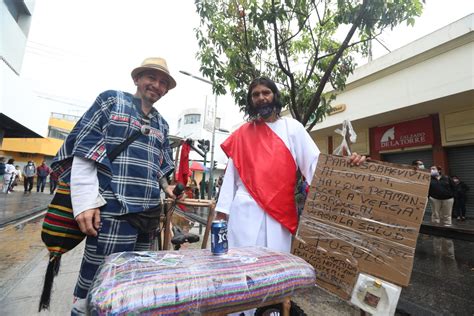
[{"x": 131, "y": 180}]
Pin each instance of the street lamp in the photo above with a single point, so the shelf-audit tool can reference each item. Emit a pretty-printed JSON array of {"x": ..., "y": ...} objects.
[{"x": 209, "y": 188}]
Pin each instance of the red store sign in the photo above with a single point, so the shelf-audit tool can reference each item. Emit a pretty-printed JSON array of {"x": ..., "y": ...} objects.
[{"x": 407, "y": 134}]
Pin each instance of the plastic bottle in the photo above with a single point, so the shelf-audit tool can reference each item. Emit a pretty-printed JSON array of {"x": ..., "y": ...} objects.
[{"x": 373, "y": 295}]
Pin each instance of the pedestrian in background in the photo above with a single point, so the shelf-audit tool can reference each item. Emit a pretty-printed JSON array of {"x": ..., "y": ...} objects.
[
  {"x": 460, "y": 195},
  {"x": 9, "y": 176},
  {"x": 53, "y": 182},
  {"x": 441, "y": 197},
  {"x": 42, "y": 172},
  {"x": 418, "y": 164},
  {"x": 2, "y": 172},
  {"x": 29, "y": 172},
  {"x": 219, "y": 184},
  {"x": 18, "y": 177}
]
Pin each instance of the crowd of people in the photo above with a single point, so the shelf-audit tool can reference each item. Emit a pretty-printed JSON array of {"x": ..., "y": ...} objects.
[
  {"x": 11, "y": 175},
  {"x": 447, "y": 195}
]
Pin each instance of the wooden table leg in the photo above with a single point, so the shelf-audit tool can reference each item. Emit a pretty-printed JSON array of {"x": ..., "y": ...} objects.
[
  {"x": 210, "y": 218},
  {"x": 167, "y": 228}
]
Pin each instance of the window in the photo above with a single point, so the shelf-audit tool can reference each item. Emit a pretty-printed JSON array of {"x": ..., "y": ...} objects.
[
  {"x": 17, "y": 8},
  {"x": 13, "y": 8},
  {"x": 192, "y": 118},
  {"x": 57, "y": 133},
  {"x": 66, "y": 117}
]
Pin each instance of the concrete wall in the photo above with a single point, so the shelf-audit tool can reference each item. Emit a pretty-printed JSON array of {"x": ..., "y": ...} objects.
[
  {"x": 17, "y": 100},
  {"x": 438, "y": 65},
  {"x": 14, "y": 35}
]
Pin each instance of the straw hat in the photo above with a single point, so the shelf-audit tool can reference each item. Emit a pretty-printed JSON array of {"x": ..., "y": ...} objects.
[{"x": 156, "y": 63}]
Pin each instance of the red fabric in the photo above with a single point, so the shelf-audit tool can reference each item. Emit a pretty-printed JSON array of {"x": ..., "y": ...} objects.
[
  {"x": 267, "y": 169},
  {"x": 183, "y": 169}
]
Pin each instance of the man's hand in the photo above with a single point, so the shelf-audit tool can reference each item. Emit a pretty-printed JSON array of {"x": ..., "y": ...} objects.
[
  {"x": 89, "y": 221},
  {"x": 169, "y": 192},
  {"x": 357, "y": 159},
  {"x": 220, "y": 215}
]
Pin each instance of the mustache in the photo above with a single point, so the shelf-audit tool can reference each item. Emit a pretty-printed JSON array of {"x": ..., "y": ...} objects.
[{"x": 155, "y": 91}]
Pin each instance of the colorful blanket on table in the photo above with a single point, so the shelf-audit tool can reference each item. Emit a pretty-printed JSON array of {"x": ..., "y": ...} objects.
[{"x": 173, "y": 283}]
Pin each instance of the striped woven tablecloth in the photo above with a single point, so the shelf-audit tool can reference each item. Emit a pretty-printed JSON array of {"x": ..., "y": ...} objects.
[{"x": 177, "y": 282}]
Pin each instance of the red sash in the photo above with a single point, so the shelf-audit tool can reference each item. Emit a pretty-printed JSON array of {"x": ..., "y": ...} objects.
[{"x": 267, "y": 169}]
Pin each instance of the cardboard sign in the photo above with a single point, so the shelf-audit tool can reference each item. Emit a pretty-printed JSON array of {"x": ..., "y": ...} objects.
[{"x": 361, "y": 219}]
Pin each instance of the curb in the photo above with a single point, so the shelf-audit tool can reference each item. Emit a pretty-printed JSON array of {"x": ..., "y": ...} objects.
[{"x": 24, "y": 215}]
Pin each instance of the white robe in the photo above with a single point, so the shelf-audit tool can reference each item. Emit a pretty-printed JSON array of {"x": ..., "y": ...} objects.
[{"x": 248, "y": 224}]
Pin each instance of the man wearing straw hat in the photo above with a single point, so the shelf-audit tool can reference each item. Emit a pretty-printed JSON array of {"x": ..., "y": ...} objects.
[{"x": 102, "y": 192}]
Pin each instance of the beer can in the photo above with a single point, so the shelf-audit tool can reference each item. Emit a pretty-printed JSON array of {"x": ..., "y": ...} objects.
[{"x": 219, "y": 245}]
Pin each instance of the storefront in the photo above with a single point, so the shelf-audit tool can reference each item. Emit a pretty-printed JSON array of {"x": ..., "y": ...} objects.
[
  {"x": 416, "y": 103},
  {"x": 404, "y": 142}
]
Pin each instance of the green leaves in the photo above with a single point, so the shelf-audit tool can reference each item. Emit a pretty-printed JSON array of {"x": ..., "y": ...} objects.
[{"x": 313, "y": 40}]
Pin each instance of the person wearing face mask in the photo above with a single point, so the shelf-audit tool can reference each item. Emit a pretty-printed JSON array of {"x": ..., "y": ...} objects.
[
  {"x": 257, "y": 193},
  {"x": 441, "y": 197},
  {"x": 418, "y": 164},
  {"x": 460, "y": 194},
  {"x": 29, "y": 172}
]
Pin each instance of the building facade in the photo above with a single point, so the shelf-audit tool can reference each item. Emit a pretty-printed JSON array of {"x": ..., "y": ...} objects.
[
  {"x": 16, "y": 95},
  {"x": 194, "y": 124},
  {"x": 416, "y": 102},
  {"x": 40, "y": 149}
]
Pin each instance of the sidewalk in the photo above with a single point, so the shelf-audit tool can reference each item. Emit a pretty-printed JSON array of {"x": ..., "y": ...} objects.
[
  {"x": 460, "y": 230},
  {"x": 17, "y": 205},
  {"x": 441, "y": 282},
  {"x": 23, "y": 297}
]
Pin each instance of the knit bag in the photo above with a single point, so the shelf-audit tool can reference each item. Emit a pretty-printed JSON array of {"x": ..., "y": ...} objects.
[{"x": 60, "y": 232}]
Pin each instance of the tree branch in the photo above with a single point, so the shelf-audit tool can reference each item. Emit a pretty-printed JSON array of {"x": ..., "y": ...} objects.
[
  {"x": 315, "y": 60},
  {"x": 246, "y": 51},
  {"x": 317, "y": 95},
  {"x": 280, "y": 63},
  {"x": 294, "y": 35}
]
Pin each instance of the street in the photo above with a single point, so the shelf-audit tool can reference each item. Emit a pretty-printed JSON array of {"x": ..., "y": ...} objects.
[{"x": 441, "y": 282}]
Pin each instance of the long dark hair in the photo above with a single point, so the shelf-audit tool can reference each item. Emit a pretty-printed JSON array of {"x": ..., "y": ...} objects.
[{"x": 250, "y": 110}]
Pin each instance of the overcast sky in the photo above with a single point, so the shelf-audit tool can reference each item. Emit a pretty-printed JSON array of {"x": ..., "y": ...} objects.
[{"x": 77, "y": 49}]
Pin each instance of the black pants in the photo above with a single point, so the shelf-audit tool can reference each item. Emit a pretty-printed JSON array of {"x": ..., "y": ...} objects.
[
  {"x": 28, "y": 183},
  {"x": 459, "y": 207},
  {"x": 52, "y": 185},
  {"x": 41, "y": 183}
]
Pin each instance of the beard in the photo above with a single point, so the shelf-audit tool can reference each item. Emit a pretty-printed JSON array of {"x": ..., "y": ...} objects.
[{"x": 265, "y": 111}]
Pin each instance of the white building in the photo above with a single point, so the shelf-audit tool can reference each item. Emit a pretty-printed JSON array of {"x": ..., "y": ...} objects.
[
  {"x": 194, "y": 124},
  {"x": 191, "y": 125},
  {"x": 15, "y": 93},
  {"x": 416, "y": 102}
]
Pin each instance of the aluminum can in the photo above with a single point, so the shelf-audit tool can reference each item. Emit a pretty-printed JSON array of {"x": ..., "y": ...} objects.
[{"x": 219, "y": 244}]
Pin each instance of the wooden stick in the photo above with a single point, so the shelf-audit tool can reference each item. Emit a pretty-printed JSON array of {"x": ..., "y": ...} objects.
[
  {"x": 210, "y": 218},
  {"x": 167, "y": 228},
  {"x": 191, "y": 202}
]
